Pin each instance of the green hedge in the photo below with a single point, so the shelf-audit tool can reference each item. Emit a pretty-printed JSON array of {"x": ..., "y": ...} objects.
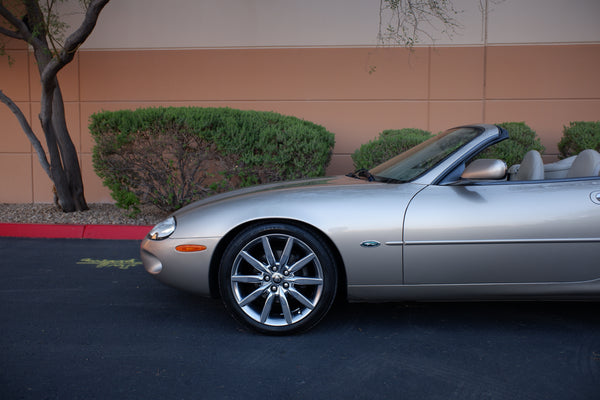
[
  {"x": 173, "y": 156},
  {"x": 521, "y": 139},
  {"x": 389, "y": 144},
  {"x": 579, "y": 136}
]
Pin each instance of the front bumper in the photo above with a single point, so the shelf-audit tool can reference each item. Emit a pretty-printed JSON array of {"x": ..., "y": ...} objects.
[{"x": 187, "y": 271}]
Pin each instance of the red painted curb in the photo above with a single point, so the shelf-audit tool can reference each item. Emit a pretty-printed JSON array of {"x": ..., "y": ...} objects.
[
  {"x": 133, "y": 232},
  {"x": 51, "y": 231}
]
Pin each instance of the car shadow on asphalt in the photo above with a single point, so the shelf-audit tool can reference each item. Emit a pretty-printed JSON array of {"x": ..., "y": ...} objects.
[{"x": 395, "y": 316}]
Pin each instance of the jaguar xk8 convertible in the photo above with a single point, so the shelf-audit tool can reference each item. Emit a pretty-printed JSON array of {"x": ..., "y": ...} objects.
[{"x": 435, "y": 223}]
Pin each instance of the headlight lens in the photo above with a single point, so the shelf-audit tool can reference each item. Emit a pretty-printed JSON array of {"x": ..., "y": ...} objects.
[{"x": 163, "y": 230}]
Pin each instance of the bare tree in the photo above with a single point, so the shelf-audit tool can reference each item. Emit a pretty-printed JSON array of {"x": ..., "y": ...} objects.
[
  {"x": 404, "y": 22},
  {"x": 401, "y": 22},
  {"x": 38, "y": 23}
]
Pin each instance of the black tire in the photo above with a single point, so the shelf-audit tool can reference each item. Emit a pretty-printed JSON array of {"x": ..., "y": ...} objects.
[{"x": 278, "y": 278}]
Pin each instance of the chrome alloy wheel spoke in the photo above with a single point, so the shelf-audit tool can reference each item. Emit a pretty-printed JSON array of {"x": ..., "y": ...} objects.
[
  {"x": 268, "y": 251},
  {"x": 301, "y": 299},
  {"x": 260, "y": 267},
  {"x": 301, "y": 263},
  {"x": 301, "y": 280},
  {"x": 285, "y": 306},
  {"x": 287, "y": 251},
  {"x": 252, "y": 296},
  {"x": 247, "y": 278},
  {"x": 266, "y": 311}
]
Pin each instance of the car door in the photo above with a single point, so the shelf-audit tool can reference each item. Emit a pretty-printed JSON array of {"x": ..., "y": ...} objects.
[{"x": 524, "y": 232}]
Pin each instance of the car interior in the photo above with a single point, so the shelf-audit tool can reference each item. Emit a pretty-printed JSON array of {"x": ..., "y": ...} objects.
[
  {"x": 532, "y": 168},
  {"x": 585, "y": 164}
]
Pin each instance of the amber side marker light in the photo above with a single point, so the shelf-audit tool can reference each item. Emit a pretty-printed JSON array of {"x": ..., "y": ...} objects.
[{"x": 190, "y": 248}]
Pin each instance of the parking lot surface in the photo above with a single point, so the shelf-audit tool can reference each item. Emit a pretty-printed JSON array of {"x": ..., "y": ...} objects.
[{"x": 81, "y": 319}]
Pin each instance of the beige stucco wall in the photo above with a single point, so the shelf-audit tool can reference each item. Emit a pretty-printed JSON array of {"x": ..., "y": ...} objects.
[
  {"x": 312, "y": 59},
  {"x": 143, "y": 24}
]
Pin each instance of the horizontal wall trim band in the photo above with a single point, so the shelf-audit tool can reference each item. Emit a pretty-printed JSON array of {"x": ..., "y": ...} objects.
[
  {"x": 178, "y": 102},
  {"x": 364, "y": 46},
  {"x": 349, "y": 46},
  {"x": 496, "y": 241}
]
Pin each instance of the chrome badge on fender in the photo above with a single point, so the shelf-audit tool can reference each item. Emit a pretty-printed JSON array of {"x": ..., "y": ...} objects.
[{"x": 370, "y": 243}]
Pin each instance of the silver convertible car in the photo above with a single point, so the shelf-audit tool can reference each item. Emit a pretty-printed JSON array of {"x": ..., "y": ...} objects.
[{"x": 434, "y": 223}]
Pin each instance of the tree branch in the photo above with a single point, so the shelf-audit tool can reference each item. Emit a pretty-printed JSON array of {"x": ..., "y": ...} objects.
[
  {"x": 22, "y": 30},
  {"x": 403, "y": 20},
  {"x": 28, "y": 131},
  {"x": 75, "y": 40},
  {"x": 14, "y": 21},
  {"x": 11, "y": 34}
]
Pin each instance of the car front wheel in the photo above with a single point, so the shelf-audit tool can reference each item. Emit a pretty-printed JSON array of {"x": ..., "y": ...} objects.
[{"x": 278, "y": 278}]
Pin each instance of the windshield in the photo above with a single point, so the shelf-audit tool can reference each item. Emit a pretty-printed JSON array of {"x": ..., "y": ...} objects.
[{"x": 421, "y": 158}]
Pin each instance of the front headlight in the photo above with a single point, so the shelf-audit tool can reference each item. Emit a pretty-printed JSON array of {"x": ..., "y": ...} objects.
[{"x": 163, "y": 230}]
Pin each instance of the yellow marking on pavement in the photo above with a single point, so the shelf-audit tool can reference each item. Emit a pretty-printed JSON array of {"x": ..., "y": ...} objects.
[{"x": 120, "y": 264}]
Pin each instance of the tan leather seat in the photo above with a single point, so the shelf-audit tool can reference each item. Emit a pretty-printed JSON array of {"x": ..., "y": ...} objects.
[
  {"x": 531, "y": 168},
  {"x": 558, "y": 169},
  {"x": 587, "y": 163}
]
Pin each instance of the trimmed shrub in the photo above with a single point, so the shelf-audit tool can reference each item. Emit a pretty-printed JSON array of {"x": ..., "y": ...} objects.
[
  {"x": 579, "y": 136},
  {"x": 170, "y": 157},
  {"x": 521, "y": 139},
  {"x": 389, "y": 144}
]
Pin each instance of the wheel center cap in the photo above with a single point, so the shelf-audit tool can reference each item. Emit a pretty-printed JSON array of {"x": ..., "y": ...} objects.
[{"x": 277, "y": 278}]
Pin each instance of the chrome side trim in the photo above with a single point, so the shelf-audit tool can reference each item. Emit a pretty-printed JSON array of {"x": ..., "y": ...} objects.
[{"x": 496, "y": 241}]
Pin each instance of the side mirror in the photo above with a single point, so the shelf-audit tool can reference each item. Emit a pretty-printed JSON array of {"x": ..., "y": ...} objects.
[{"x": 485, "y": 169}]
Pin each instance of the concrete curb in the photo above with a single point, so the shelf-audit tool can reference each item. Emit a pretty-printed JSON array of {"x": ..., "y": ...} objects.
[{"x": 51, "y": 231}]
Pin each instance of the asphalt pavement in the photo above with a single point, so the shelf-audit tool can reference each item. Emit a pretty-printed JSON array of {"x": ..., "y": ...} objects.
[{"x": 81, "y": 319}]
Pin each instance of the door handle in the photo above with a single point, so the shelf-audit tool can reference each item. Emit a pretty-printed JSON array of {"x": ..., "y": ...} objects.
[{"x": 595, "y": 196}]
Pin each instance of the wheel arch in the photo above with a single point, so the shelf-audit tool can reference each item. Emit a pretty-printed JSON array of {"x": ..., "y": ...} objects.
[{"x": 224, "y": 242}]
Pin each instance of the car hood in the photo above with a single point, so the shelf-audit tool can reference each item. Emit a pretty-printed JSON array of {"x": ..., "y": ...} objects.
[
  {"x": 273, "y": 187},
  {"x": 333, "y": 203}
]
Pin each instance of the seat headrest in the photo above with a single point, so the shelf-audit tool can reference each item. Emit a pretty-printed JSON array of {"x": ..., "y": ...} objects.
[{"x": 587, "y": 163}]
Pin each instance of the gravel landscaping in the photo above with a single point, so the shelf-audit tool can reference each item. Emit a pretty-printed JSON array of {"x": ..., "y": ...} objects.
[{"x": 98, "y": 214}]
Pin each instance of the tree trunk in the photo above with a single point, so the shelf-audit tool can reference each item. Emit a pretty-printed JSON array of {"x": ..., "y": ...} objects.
[
  {"x": 68, "y": 152},
  {"x": 64, "y": 164}
]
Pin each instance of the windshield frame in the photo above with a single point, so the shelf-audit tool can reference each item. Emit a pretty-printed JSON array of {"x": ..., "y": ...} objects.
[{"x": 419, "y": 160}]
